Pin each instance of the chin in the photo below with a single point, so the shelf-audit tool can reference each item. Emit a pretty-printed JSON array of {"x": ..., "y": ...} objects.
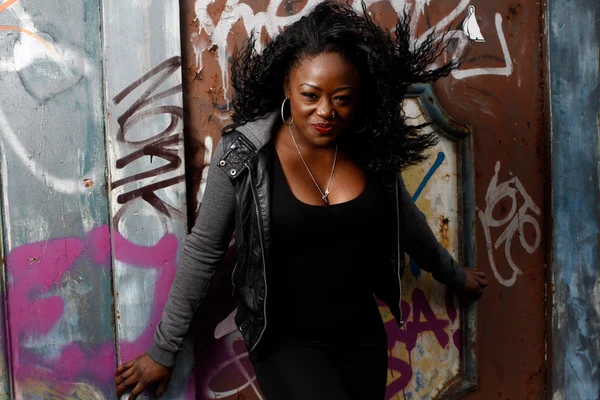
[
  {"x": 320, "y": 139},
  {"x": 323, "y": 140}
]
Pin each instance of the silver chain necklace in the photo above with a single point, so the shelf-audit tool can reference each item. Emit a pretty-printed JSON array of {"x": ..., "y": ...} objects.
[{"x": 325, "y": 195}]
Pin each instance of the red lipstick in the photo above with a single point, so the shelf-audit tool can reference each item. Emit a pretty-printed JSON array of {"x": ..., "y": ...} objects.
[{"x": 323, "y": 129}]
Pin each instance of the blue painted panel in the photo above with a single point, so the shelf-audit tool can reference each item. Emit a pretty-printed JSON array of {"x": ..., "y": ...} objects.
[{"x": 574, "y": 49}]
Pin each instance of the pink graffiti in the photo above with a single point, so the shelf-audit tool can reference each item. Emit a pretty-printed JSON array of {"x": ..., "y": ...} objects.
[
  {"x": 36, "y": 268},
  {"x": 228, "y": 371},
  {"x": 410, "y": 332}
]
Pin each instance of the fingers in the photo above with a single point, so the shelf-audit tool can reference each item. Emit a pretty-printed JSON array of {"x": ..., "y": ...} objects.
[
  {"x": 119, "y": 379},
  {"x": 125, "y": 366},
  {"x": 480, "y": 278},
  {"x": 162, "y": 388},
  {"x": 137, "y": 390},
  {"x": 483, "y": 283},
  {"x": 130, "y": 381}
]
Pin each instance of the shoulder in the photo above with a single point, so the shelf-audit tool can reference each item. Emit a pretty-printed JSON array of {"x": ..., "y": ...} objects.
[{"x": 234, "y": 151}]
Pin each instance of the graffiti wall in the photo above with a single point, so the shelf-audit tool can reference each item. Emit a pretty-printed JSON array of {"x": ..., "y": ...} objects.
[
  {"x": 93, "y": 192},
  {"x": 482, "y": 193},
  {"x": 94, "y": 166}
]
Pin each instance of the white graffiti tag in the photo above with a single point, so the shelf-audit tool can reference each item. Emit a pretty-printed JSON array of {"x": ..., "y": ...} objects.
[
  {"x": 515, "y": 222},
  {"x": 213, "y": 35}
]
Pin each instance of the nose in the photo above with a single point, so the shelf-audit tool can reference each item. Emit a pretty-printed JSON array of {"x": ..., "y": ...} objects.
[{"x": 325, "y": 110}]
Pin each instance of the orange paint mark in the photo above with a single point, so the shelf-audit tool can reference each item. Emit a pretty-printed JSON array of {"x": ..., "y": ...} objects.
[
  {"x": 28, "y": 32},
  {"x": 7, "y": 4}
]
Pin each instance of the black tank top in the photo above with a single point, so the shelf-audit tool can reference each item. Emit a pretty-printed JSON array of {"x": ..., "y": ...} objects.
[{"x": 321, "y": 277}]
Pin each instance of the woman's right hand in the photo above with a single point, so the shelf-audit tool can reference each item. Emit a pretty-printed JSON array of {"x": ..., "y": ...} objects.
[{"x": 142, "y": 373}]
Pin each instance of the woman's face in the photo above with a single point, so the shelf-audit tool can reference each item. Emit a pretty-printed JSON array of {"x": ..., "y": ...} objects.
[{"x": 323, "y": 93}]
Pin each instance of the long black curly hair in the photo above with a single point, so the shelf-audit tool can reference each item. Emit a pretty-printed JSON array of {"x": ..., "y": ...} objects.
[{"x": 387, "y": 67}]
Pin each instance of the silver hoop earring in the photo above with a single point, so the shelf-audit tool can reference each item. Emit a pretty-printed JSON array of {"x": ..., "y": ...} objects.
[
  {"x": 361, "y": 130},
  {"x": 283, "y": 116}
]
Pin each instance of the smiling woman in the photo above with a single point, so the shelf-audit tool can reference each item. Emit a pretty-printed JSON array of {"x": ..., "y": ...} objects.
[{"x": 308, "y": 178}]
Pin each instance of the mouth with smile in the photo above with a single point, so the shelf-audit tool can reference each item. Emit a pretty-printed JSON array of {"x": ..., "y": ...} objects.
[{"x": 323, "y": 129}]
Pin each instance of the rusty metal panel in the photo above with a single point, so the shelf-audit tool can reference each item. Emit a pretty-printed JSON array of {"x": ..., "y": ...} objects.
[
  {"x": 54, "y": 208},
  {"x": 498, "y": 94},
  {"x": 574, "y": 76},
  {"x": 142, "y": 66}
]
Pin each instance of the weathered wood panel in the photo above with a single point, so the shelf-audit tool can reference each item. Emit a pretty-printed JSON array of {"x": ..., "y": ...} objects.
[
  {"x": 574, "y": 104},
  {"x": 55, "y": 211},
  {"x": 146, "y": 167}
]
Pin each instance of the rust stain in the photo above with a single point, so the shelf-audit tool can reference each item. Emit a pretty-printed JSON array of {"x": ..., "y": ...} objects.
[{"x": 88, "y": 183}]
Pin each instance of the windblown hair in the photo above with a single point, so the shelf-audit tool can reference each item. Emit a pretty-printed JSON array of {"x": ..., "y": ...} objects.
[{"x": 387, "y": 67}]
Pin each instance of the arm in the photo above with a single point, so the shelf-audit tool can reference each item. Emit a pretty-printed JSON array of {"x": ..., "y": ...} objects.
[
  {"x": 421, "y": 244},
  {"x": 201, "y": 254},
  {"x": 203, "y": 251}
]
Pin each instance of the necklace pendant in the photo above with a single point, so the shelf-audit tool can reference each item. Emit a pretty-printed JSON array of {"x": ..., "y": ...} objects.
[{"x": 325, "y": 197}]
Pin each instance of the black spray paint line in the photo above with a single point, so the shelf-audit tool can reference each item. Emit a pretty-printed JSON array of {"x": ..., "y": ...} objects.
[{"x": 160, "y": 145}]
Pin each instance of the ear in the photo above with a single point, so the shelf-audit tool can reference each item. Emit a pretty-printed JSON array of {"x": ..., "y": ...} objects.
[{"x": 286, "y": 87}]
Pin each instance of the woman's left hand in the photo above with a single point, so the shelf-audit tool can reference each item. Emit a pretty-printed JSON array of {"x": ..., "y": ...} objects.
[{"x": 475, "y": 283}]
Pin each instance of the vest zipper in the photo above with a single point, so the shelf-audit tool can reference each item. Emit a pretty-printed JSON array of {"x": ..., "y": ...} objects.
[
  {"x": 262, "y": 247},
  {"x": 399, "y": 249},
  {"x": 232, "y": 283}
]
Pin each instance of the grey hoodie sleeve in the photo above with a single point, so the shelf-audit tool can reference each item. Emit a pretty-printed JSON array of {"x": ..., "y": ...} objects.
[
  {"x": 202, "y": 252},
  {"x": 422, "y": 246}
]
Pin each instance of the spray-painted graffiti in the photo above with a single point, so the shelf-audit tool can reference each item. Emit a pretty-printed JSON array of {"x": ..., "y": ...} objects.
[
  {"x": 69, "y": 284},
  {"x": 214, "y": 35},
  {"x": 45, "y": 67},
  {"x": 38, "y": 273},
  {"x": 165, "y": 144},
  {"x": 232, "y": 374},
  {"x": 147, "y": 190},
  {"x": 515, "y": 222},
  {"x": 31, "y": 32},
  {"x": 421, "y": 320}
]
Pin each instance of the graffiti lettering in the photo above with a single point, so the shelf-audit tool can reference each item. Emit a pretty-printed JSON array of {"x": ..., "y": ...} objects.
[
  {"x": 37, "y": 304},
  {"x": 409, "y": 333},
  {"x": 503, "y": 71},
  {"x": 271, "y": 22},
  {"x": 233, "y": 374},
  {"x": 164, "y": 145},
  {"x": 515, "y": 222}
]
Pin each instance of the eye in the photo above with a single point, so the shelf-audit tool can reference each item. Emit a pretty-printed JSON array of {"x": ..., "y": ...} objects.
[
  {"x": 343, "y": 99},
  {"x": 309, "y": 95}
]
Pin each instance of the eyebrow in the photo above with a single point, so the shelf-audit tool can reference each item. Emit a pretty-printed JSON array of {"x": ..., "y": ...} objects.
[{"x": 318, "y": 88}]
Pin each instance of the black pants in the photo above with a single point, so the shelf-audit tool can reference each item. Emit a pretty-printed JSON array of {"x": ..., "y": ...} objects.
[{"x": 318, "y": 372}]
